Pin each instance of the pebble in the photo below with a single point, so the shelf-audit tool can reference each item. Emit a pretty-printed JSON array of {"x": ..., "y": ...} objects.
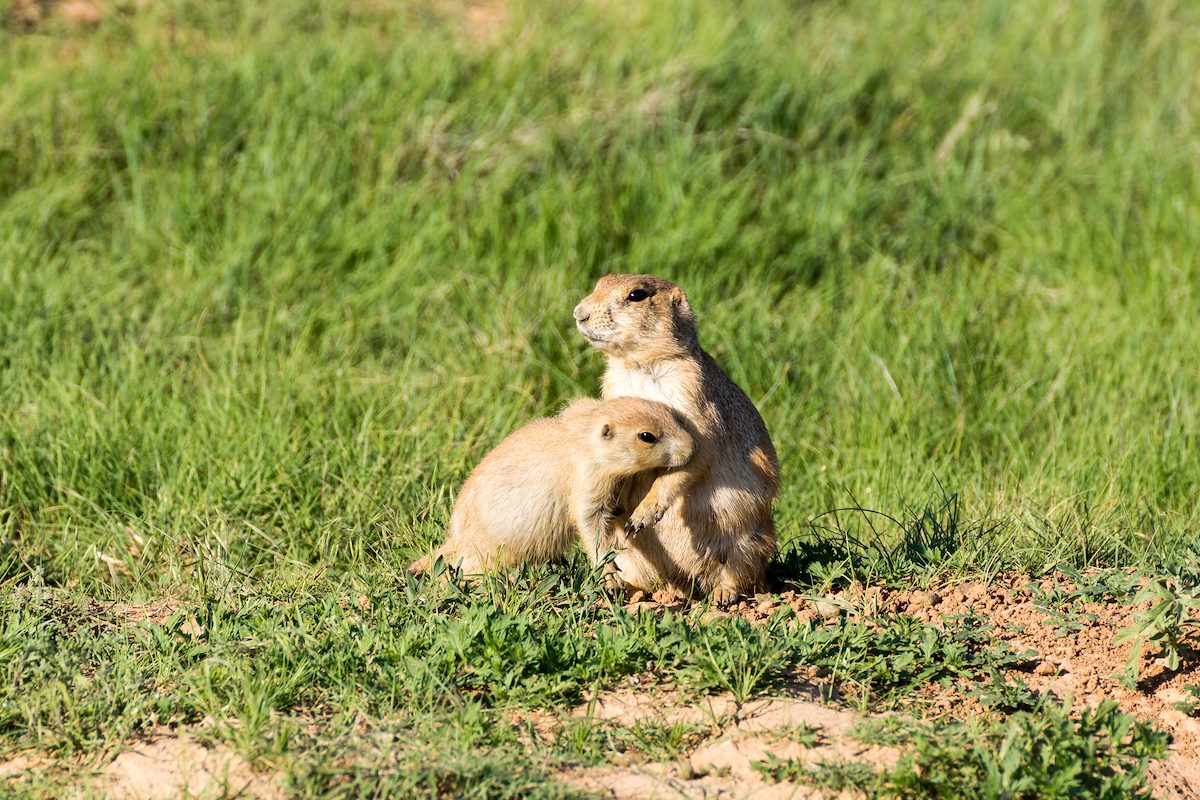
[
  {"x": 827, "y": 610},
  {"x": 1044, "y": 668},
  {"x": 924, "y": 600}
]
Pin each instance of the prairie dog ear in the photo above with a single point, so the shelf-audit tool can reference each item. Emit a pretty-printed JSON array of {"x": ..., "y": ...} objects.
[
  {"x": 681, "y": 309},
  {"x": 606, "y": 431}
]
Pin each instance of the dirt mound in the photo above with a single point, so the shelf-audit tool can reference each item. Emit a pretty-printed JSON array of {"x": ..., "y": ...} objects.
[
  {"x": 164, "y": 766},
  {"x": 722, "y": 766},
  {"x": 23, "y": 766},
  {"x": 168, "y": 766}
]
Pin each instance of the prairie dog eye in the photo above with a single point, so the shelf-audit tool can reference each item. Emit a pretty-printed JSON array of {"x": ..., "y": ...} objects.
[
  {"x": 637, "y": 295},
  {"x": 647, "y": 437}
]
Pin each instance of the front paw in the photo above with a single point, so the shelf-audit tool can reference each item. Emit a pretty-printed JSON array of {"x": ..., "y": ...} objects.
[{"x": 647, "y": 515}]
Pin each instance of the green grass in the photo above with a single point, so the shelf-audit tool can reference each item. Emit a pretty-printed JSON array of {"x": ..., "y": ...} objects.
[
  {"x": 274, "y": 276},
  {"x": 1045, "y": 753},
  {"x": 306, "y": 684}
]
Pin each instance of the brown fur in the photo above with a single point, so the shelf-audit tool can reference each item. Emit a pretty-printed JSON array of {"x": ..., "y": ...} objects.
[
  {"x": 707, "y": 526},
  {"x": 557, "y": 479}
]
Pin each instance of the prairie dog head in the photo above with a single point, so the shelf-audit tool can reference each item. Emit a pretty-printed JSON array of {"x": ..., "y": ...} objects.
[
  {"x": 638, "y": 317},
  {"x": 632, "y": 435}
]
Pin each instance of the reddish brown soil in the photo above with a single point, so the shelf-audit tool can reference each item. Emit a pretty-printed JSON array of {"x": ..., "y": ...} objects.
[{"x": 1084, "y": 665}]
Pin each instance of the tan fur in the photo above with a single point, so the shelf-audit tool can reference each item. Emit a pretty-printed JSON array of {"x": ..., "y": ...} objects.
[
  {"x": 557, "y": 479},
  {"x": 706, "y": 527}
]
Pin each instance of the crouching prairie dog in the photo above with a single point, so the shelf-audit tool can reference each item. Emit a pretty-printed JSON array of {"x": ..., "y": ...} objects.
[
  {"x": 708, "y": 526},
  {"x": 556, "y": 479}
]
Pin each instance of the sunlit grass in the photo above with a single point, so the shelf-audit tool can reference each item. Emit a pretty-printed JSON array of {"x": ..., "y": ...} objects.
[{"x": 274, "y": 276}]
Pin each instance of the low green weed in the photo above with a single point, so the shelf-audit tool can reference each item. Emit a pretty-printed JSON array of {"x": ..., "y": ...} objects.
[
  {"x": 1100, "y": 753},
  {"x": 1063, "y": 605},
  {"x": 1191, "y": 705},
  {"x": 1062, "y": 609},
  {"x": 905, "y": 653},
  {"x": 804, "y": 734},
  {"x": 1168, "y": 625},
  {"x": 835, "y": 776},
  {"x": 1003, "y": 694},
  {"x": 590, "y": 741}
]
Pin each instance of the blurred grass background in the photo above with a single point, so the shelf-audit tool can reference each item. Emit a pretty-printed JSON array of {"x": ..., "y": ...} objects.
[{"x": 274, "y": 276}]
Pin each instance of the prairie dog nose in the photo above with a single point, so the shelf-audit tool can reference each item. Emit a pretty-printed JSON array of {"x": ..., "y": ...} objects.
[{"x": 581, "y": 313}]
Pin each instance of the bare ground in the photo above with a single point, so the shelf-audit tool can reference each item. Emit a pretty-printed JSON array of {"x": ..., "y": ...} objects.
[
  {"x": 1083, "y": 664},
  {"x": 168, "y": 765},
  {"x": 721, "y": 767},
  {"x": 163, "y": 766},
  {"x": 1078, "y": 660}
]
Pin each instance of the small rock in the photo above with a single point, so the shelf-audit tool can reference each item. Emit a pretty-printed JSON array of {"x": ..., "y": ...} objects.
[
  {"x": 827, "y": 610},
  {"x": 686, "y": 771},
  {"x": 638, "y": 597},
  {"x": 924, "y": 600},
  {"x": 1044, "y": 668}
]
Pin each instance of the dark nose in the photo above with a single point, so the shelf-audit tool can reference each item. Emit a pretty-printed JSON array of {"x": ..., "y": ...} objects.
[{"x": 581, "y": 313}]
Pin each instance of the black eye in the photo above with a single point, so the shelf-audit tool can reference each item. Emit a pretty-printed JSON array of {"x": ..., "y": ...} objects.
[
  {"x": 637, "y": 295},
  {"x": 647, "y": 437}
]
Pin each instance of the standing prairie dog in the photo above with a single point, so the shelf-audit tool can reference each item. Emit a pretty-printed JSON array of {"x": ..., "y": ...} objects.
[
  {"x": 707, "y": 526},
  {"x": 555, "y": 479}
]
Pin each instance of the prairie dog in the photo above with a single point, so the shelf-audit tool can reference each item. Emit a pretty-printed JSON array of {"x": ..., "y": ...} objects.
[
  {"x": 707, "y": 526},
  {"x": 555, "y": 479}
]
